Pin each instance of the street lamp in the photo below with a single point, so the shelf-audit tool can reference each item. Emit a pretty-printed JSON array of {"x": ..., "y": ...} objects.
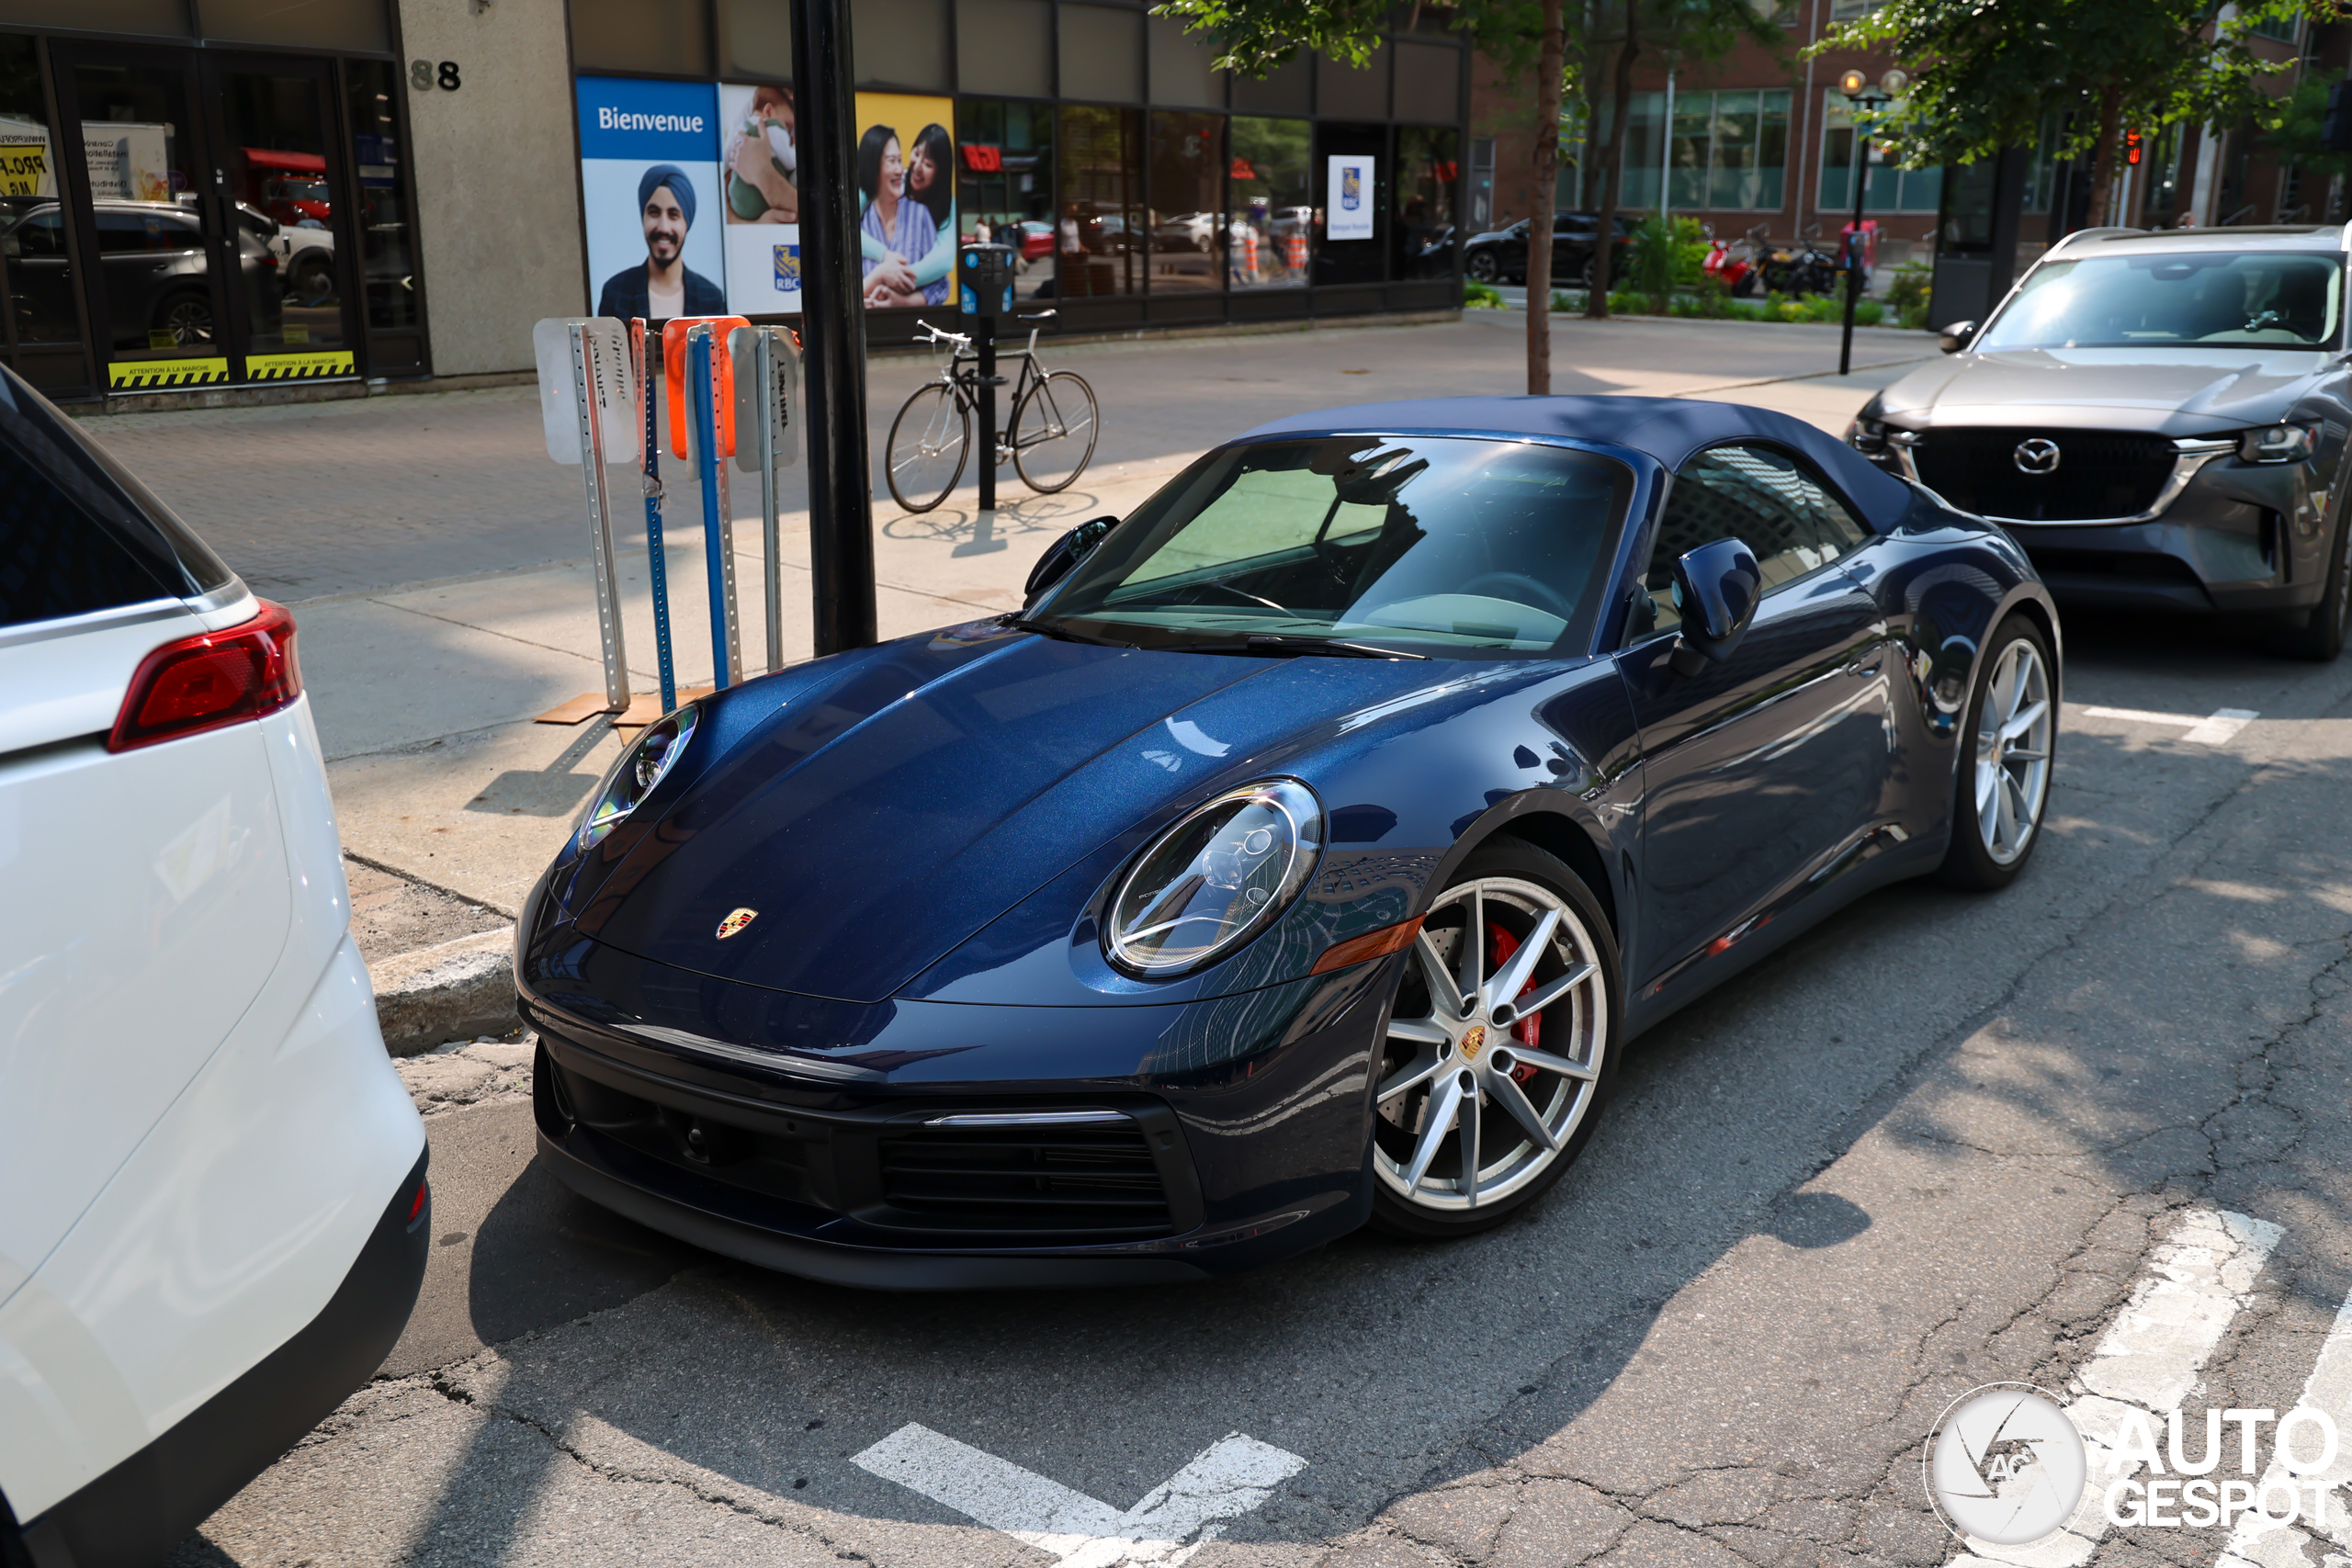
[{"x": 1866, "y": 99}]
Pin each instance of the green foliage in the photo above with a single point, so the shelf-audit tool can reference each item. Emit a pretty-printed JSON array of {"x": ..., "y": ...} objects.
[
  {"x": 1480, "y": 296},
  {"x": 2296, "y": 141},
  {"x": 1664, "y": 257},
  {"x": 1567, "y": 301},
  {"x": 1253, "y": 37},
  {"x": 1909, "y": 287},
  {"x": 1985, "y": 73},
  {"x": 1914, "y": 319}
]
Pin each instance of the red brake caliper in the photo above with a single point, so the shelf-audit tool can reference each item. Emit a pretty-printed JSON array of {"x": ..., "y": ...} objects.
[{"x": 1500, "y": 945}]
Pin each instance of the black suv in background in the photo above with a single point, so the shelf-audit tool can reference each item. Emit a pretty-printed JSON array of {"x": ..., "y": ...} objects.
[{"x": 1499, "y": 256}]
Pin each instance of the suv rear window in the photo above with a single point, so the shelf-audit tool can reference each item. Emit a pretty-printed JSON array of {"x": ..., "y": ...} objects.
[{"x": 77, "y": 533}]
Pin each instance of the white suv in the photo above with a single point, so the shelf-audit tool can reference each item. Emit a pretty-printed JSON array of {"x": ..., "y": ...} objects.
[{"x": 212, "y": 1199}]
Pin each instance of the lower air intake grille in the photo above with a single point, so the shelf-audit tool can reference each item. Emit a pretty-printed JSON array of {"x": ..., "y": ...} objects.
[
  {"x": 1099, "y": 1179},
  {"x": 2100, "y": 473}
]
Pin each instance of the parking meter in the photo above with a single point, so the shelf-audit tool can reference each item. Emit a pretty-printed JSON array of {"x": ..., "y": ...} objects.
[{"x": 984, "y": 280}]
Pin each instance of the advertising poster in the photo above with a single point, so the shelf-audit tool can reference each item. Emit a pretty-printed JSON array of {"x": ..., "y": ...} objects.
[
  {"x": 1349, "y": 214},
  {"x": 652, "y": 198},
  {"x": 127, "y": 162},
  {"x": 760, "y": 169},
  {"x": 906, "y": 193},
  {"x": 24, "y": 158}
]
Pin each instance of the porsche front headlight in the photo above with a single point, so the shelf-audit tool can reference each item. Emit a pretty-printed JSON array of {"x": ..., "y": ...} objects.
[
  {"x": 1216, "y": 879},
  {"x": 644, "y": 763}
]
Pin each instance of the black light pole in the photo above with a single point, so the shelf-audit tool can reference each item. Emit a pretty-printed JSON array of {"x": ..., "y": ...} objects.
[
  {"x": 1865, "y": 99},
  {"x": 832, "y": 329}
]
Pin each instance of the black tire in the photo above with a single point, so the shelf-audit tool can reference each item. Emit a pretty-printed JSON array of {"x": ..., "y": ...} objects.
[
  {"x": 1054, "y": 431},
  {"x": 939, "y": 441},
  {"x": 188, "y": 317},
  {"x": 1481, "y": 266},
  {"x": 1584, "y": 1027},
  {"x": 1970, "y": 861},
  {"x": 1584, "y": 273},
  {"x": 2317, "y": 634}
]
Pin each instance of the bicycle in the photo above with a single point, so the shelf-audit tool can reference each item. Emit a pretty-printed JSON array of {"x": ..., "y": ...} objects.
[{"x": 1054, "y": 423}]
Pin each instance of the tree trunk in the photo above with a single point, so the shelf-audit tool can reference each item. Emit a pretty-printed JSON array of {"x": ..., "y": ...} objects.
[
  {"x": 1549, "y": 64},
  {"x": 2110, "y": 135},
  {"x": 1613, "y": 164}
]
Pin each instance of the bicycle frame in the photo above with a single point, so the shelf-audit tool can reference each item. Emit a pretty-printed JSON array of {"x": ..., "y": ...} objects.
[{"x": 962, "y": 375}]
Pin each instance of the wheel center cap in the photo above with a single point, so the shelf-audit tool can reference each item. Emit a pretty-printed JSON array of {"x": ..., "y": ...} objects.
[{"x": 1473, "y": 1042}]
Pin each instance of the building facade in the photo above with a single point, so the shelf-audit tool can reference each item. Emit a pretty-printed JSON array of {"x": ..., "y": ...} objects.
[{"x": 203, "y": 195}]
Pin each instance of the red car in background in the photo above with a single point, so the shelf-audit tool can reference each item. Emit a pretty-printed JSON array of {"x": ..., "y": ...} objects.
[{"x": 290, "y": 187}]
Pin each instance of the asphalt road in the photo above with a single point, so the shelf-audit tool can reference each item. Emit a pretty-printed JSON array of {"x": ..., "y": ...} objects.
[{"x": 1932, "y": 1145}]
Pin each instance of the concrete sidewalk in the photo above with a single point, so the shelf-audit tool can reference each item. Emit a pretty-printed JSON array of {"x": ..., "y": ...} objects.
[{"x": 424, "y": 692}]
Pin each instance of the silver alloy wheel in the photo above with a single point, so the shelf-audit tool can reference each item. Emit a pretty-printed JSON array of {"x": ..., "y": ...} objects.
[
  {"x": 2013, "y": 731},
  {"x": 1461, "y": 1091}
]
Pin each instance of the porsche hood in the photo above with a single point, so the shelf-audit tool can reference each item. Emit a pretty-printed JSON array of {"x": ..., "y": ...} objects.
[{"x": 877, "y": 821}]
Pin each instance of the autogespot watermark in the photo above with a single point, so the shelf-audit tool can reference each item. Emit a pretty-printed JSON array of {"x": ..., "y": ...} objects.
[{"x": 2005, "y": 1465}]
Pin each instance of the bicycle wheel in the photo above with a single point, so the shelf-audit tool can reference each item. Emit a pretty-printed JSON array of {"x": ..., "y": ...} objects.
[
  {"x": 929, "y": 441},
  {"x": 1053, "y": 432}
]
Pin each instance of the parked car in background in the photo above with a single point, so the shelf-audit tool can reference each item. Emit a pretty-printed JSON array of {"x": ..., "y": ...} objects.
[
  {"x": 216, "y": 1211},
  {"x": 2160, "y": 420},
  {"x": 156, "y": 269},
  {"x": 1499, "y": 256},
  {"x": 1036, "y": 238}
]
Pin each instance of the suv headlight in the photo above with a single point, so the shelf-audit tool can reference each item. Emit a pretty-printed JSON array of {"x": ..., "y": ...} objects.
[
  {"x": 2278, "y": 443},
  {"x": 1215, "y": 879},
  {"x": 644, "y": 763}
]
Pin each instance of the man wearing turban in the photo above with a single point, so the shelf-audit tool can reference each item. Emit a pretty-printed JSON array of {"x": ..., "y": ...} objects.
[{"x": 665, "y": 286}]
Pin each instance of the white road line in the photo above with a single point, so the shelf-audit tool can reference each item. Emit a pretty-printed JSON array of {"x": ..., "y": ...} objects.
[
  {"x": 1225, "y": 1480},
  {"x": 2213, "y": 729},
  {"x": 2195, "y": 1283},
  {"x": 2255, "y": 1544}
]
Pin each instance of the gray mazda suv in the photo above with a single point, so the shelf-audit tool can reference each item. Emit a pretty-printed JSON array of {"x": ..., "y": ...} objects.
[{"x": 2159, "y": 419}]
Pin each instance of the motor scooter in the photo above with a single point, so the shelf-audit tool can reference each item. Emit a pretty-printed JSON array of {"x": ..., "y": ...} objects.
[{"x": 1734, "y": 267}]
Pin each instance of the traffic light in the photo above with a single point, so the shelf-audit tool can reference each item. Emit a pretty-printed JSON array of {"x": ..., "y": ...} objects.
[{"x": 2132, "y": 148}]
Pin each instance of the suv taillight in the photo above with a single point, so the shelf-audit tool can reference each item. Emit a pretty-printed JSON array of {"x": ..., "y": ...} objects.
[{"x": 211, "y": 680}]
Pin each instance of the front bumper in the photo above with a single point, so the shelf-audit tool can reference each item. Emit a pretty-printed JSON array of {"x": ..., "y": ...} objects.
[{"x": 835, "y": 1141}]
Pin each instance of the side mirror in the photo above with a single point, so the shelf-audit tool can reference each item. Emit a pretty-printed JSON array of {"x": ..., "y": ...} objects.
[
  {"x": 1715, "y": 588},
  {"x": 1955, "y": 337},
  {"x": 1064, "y": 553}
]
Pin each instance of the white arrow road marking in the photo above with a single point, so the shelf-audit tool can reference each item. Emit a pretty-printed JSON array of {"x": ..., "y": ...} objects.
[
  {"x": 1227, "y": 1478},
  {"x": 2196, "y": 1280},
  {"x": 2255, "y": 1543},
  {"x": 2213, "y": 729}
]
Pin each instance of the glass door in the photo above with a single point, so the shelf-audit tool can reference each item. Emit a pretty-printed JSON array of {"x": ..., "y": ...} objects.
[{"x": 209, "y": 201}]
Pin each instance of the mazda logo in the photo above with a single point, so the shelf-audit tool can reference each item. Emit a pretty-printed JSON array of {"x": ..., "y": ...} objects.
[{"x": 2036, "y": 456}]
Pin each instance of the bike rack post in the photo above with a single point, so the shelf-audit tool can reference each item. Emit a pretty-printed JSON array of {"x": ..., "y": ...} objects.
[
  {"x": 984, "y": 291},
  {"x": 641, "y": 350},
  {"x": 767, "y": 370},
  {"x": 705, "y": 392},
  {"x": 584, "y": 377}
]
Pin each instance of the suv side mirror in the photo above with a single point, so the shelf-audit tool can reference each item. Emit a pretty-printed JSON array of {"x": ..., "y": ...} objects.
[
  {"x": 1955, "y": 337},
  {"x": 1064, "y": 553},
  {"x": 1715, "y": 588}
]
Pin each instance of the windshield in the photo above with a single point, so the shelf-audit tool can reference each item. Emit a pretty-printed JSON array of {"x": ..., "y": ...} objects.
[
  {"x": 1448, "y": 547},
  {"x": 2201, "y": 298}
]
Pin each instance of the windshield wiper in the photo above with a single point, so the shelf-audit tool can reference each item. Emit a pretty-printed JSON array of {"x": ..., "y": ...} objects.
[
  {"x": 1048, "y": 629},
  {"x": 1281, "y": 643}
]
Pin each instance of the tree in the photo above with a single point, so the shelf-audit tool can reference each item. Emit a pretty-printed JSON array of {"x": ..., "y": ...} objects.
[{"x": 1985, "y": 72}]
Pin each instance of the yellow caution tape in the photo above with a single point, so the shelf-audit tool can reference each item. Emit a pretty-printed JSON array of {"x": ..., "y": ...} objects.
[
  {"x": 299, "y": 367},
  {"x": 148, "y": 374}
]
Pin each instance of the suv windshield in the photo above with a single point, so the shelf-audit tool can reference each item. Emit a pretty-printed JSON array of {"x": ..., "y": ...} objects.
[
  {"x": 1441, "y": 546},
  {"x": 2201, "y": 298}
]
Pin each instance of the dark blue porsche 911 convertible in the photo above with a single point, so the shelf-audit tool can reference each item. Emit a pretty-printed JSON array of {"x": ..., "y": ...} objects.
[{"x": 1303, "y": 854}]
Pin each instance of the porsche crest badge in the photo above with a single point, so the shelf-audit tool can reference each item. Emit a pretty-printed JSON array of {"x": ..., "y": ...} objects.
[
  {"x": 735, "y": 922},
  {"x": 1473, "y": 1043}
]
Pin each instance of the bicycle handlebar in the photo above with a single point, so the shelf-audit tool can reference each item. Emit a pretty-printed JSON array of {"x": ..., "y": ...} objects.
[{"x": 939, "y": 336}]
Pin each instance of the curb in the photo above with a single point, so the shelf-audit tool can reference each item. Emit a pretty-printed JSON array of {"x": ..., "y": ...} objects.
[{"x": 457, "y": 991}]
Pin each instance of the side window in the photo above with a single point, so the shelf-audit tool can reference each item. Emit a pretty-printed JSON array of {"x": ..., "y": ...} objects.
[
  {"x": 53, "y": 559},
  {"x": 1760, "y": 496},
  {"x": 121, "y": 231}
]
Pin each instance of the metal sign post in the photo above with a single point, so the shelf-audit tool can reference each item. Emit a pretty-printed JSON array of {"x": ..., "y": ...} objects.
[
  {"x": 767, "y": 377},
  {"x": 657, "y": 556},
  {"x": 712, "y": 414},
  {"x": 841, "y": 474},
  {"x": 584, "y": 397}
]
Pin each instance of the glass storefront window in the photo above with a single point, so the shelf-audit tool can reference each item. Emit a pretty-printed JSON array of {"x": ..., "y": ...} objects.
[
  {"x": 1729, "y": 151},
  {"x": 1271, "y": 214},
  {"x": 387, "y": 255},
  {"x": 1098, "y": 243},
  {"x": 1429, "y": 172},
  {"x": 1187, "y": 161},
  {"x": 32, "y": 222},
  {"x": 1892, "y": 188},
  {"x": 277, "y": 173},
  {"x": 1005, "y": 190}
]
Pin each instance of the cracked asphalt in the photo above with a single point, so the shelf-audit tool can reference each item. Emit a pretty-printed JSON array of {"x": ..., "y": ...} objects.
[{"x": 1927, "y": 1147}]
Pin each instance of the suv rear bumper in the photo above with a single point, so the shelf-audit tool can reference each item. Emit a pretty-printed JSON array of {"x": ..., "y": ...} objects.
[{"x": 135, "y": 1513}]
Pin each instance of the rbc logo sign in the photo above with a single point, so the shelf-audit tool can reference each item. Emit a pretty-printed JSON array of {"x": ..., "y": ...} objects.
[
  {"x": 1351, "y": 189},
  {"x": 788, "y": 269}
]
